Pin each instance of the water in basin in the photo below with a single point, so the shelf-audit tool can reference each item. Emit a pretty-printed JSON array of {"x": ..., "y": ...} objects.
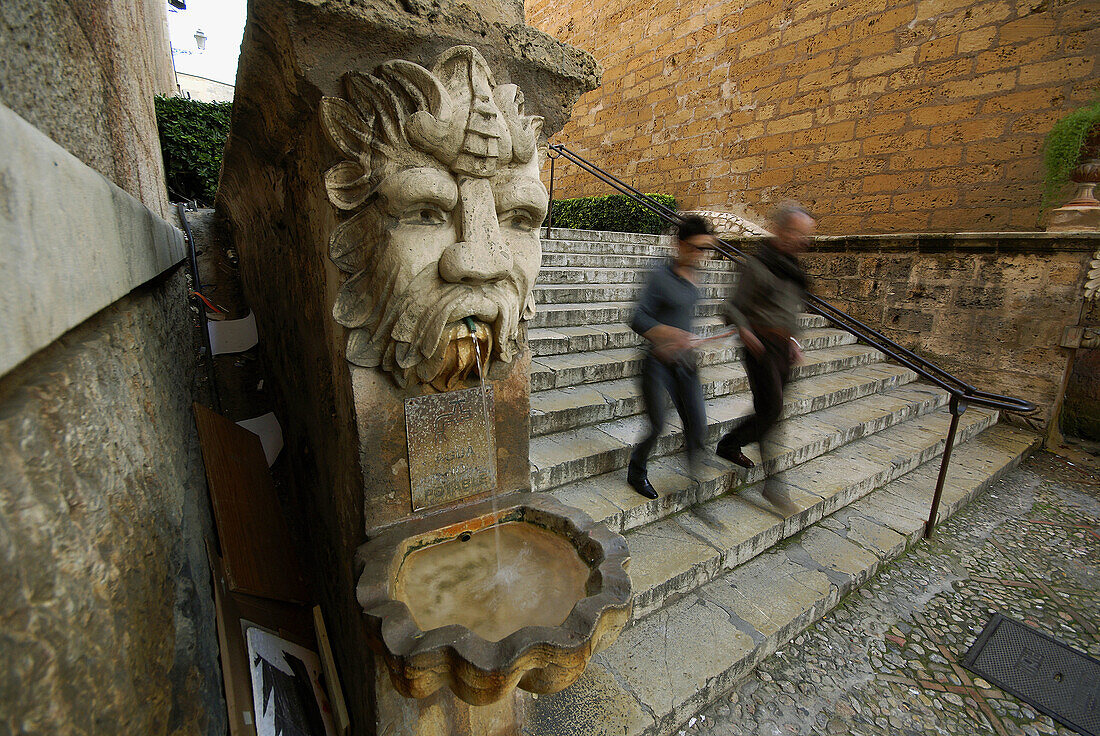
[{"x": 539, "y": 579}]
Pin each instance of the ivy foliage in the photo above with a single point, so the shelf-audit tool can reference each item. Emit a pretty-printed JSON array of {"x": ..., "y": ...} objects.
[
  {"x": 192, "y": 139},
  {"x": 613, "y": 212},
  {"x": 1063, "y": 147}
]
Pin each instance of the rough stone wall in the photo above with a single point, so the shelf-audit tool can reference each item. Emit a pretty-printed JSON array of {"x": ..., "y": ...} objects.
[
  {"x": 108, "y": 622},
  {"x": 917, "y": 116},
  {"x": 84, "y": 73},
  {"x": 990, "y": 310},
  {"x": 1081, "y": 410}
]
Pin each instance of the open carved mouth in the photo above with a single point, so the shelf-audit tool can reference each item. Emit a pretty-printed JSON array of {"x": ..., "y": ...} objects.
[{"x": 467, "y": 345}]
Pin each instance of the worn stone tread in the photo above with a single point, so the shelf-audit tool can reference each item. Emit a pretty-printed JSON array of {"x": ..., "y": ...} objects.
[
  {"x": 671, "y": 664},
  {"x": 546, "y": 294},
  {"x": 603, "y": 275},
  {"x": 571, "y": 369},
  {"x": 588, "y": 337},
  {"x": 562, "y": 315},
  {"x": 570, "y": 455},
  {"x": 583, "y": 401}
]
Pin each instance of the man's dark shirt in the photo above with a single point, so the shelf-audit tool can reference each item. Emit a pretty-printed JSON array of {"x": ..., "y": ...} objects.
[{"x": 668, "y": 299}]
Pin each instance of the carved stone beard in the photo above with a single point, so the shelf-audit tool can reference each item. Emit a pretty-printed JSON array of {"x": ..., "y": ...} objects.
[{"x": 419, "y": 333}]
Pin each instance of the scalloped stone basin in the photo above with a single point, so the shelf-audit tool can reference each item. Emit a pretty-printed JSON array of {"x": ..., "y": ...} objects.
[
  {"x": 440, "y": 613},
  {"x": 494, "y": 581}
]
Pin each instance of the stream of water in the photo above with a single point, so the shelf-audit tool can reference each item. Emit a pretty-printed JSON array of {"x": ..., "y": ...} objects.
[{"x": 488, "y": 435}]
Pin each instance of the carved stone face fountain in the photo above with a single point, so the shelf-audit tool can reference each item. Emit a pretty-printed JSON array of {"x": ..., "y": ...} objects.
[
  {"x": 381, "y": 184},
  {"x": 441, "y": 249}
]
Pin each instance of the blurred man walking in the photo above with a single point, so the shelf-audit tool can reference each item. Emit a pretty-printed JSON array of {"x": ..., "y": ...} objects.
[{"x": 765, "y": 309}]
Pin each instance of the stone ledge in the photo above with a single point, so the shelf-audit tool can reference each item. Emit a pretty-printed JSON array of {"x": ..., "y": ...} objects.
[
  {"x": 74, "y": 242},
  {"x": 1008, "y": 242}
]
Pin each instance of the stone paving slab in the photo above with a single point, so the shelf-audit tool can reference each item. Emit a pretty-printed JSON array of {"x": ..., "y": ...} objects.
[
  {"x": 801, "y": 439},
  {"x": 563, "y": 457},
  {"x": 692, "y": 651}
]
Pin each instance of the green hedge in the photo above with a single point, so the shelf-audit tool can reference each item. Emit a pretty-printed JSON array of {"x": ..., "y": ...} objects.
[
  {"x": 192, "y": 138},
  {"x": 613, "y": 212}
]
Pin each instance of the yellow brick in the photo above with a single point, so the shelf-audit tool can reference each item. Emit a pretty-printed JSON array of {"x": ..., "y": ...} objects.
[
  {"x": 892, "y": 182},
  {"x": 1004, "y": 56},
  {"x": 894, "y": 142},
  {"x": 790, "y": 123},
  {"x": 972, "y": 130},
  {"x": 926, "y": 158},
  {"x": 977, "y": 40},
  {"x": 837, "y": 151},
  {"x": 1059, "y": 70},
  {"x": 1033, "y": 99},
  {"x": 937, "y": 48},
  {"x": 986, "y": 84},
  {"x": 879, "y": 124},
  {"x": 926, "y": 199},
  {"x": 1037, "y": 25}
]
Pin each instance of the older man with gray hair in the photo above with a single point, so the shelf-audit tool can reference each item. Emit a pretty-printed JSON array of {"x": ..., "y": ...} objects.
[{"x": 765, "y": 309}]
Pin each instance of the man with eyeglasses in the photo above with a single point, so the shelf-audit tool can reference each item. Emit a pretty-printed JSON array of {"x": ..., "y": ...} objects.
[{"x": 663, "y": 317}]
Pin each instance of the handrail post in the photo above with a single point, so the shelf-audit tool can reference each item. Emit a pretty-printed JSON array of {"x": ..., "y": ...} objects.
[
  {"x": 552, "y": 155},
  {"x": 956, "y": 407}
]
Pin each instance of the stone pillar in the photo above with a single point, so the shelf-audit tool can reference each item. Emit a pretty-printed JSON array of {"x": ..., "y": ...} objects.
[{"x": 381, "y": 187}]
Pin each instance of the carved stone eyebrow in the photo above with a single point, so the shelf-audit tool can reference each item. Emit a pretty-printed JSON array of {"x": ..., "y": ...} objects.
[
  {"x": 420, "y": 185},
  {"x": 520, "y": 190}
]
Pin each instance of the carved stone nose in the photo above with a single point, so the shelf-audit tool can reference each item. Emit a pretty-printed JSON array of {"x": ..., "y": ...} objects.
[{"x": 480, "y": 255}]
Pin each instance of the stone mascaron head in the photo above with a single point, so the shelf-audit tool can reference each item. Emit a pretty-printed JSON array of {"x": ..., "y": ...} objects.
[{"x": 440, "y": 175}]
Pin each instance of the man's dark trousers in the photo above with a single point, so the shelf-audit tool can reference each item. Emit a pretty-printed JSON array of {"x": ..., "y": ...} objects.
[
  {"x": 768, "y": 375},
  {"x": 681, "y": 381}
]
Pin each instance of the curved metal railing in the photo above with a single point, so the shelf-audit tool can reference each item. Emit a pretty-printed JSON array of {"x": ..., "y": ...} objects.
[{"x": 962, "y": 393}]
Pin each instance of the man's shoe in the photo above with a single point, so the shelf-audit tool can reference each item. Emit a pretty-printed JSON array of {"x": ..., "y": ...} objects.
[
  {"x": 735, "y": 456},
  {"x": 642, "y": 486}
]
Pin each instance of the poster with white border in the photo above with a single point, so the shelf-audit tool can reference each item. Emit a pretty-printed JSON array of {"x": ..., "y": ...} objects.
[{"x": 287, "y": 693}]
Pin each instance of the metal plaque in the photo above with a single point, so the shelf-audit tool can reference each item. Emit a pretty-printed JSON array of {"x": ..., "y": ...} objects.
[{"x": 452, "y": 452}]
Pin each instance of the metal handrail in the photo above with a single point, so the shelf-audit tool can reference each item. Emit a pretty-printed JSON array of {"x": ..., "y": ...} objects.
[{"x": 961, "y": 393}]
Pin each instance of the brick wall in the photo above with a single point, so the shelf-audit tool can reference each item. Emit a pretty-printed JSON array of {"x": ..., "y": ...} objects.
[{"x": 926, "y": 115}]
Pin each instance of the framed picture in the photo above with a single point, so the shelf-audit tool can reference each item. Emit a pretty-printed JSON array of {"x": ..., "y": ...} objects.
[{"x": 287, "y": 687}]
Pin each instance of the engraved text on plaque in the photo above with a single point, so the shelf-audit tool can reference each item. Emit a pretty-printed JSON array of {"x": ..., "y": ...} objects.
[{"x": 452, "y": 452}]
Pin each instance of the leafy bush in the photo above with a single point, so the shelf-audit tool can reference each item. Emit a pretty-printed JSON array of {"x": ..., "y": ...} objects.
[
  {"x": 192, "y": 138},
  {"x": 1063, "y": 147},
  {"x": 613, "y": 212}
]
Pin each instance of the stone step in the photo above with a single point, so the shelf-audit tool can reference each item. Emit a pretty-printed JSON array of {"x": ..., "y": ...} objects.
[
  {"x": 675, "y": 555},
  {"x": 798, "y": 440},
  {"x": 590, "y": 293},
  {"x": 572, "y": 315},
  {"x": 664, "y": 670},
  {"x": 574, "y": 454},
  {"x": 574, "y": 369},
  {"x": 590, "y": 337},
  {"x": 557, "y": 410},
  {"x": 600, "y": 236},
  {"x": 572, "y": 275},
  {"x": 625, "y": 261}
]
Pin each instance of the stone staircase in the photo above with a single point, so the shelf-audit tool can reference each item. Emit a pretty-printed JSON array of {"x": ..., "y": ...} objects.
[{"x": 720, "y": 578}]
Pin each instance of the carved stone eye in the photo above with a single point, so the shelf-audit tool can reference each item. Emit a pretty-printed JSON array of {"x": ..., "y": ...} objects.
[
  {"x": 425, "y": 215},
  {"x": 520, "y": 219}
]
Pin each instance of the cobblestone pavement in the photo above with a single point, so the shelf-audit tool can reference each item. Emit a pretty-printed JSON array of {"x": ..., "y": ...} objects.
[{"x": 885, "y": 660}]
